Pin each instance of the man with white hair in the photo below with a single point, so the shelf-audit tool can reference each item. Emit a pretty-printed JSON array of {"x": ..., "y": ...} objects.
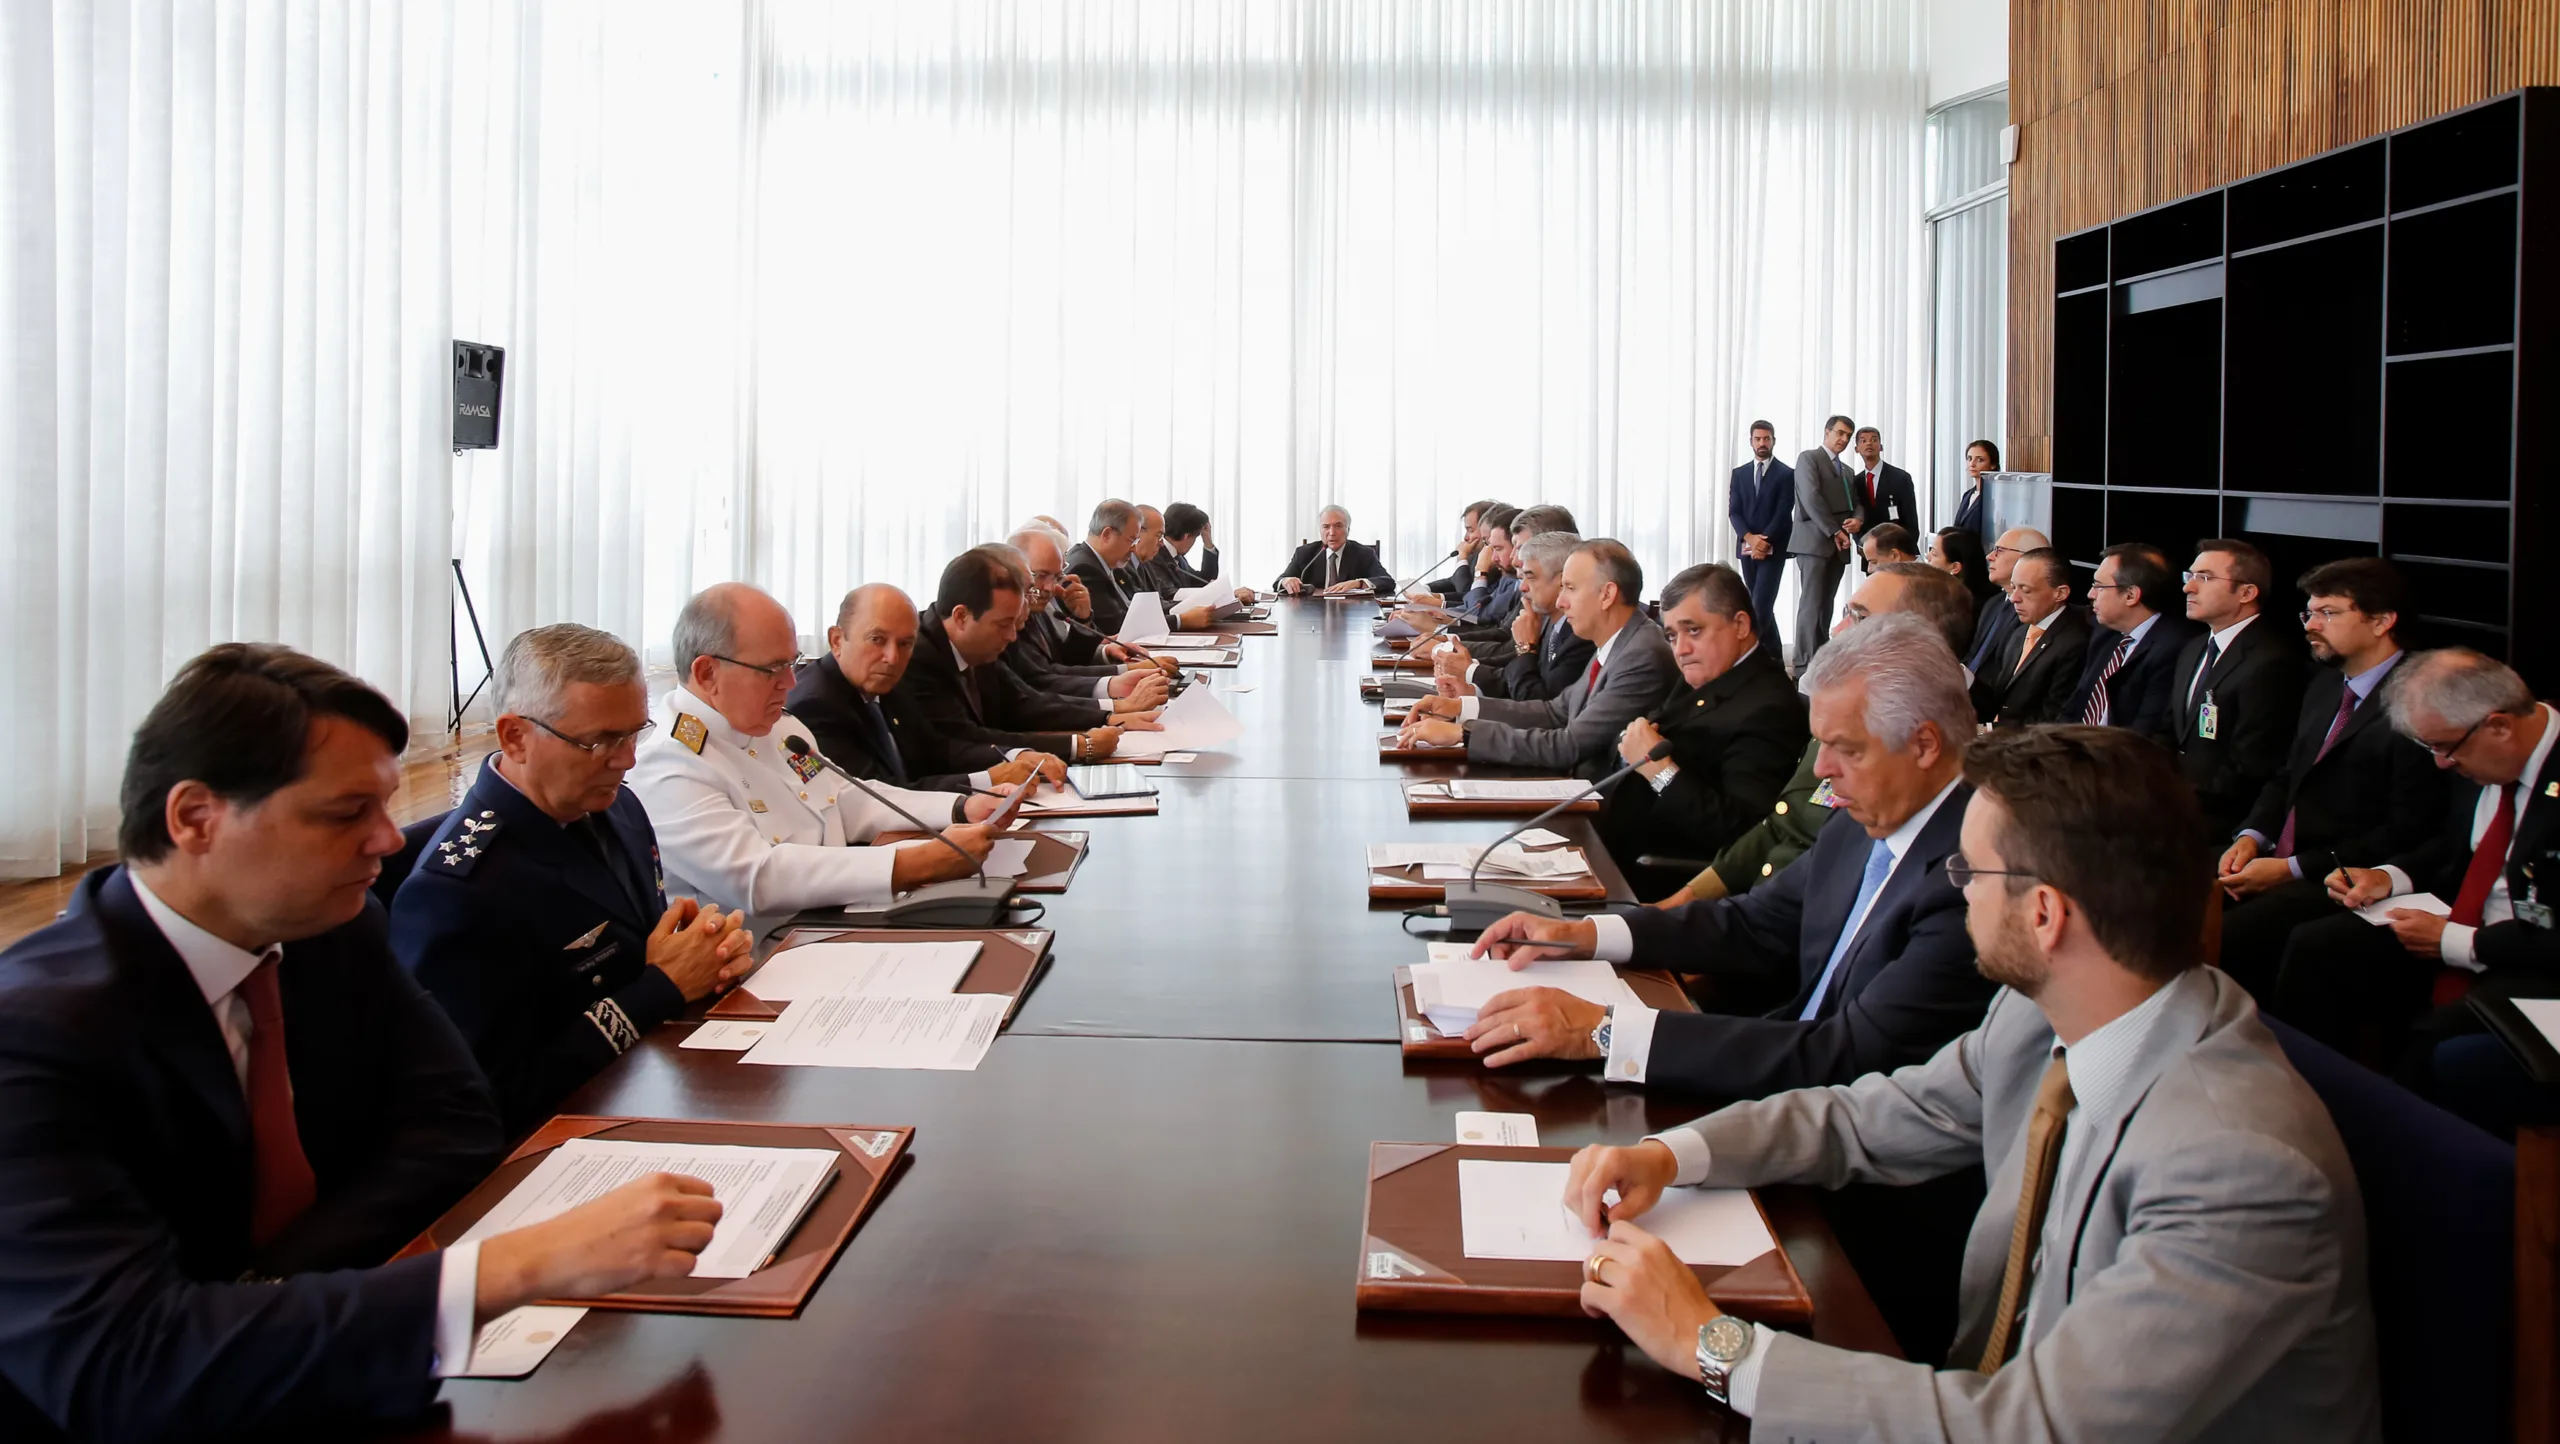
[
  {"x": 1866, "y": 922},
  {"x": 1106, "y": 562},
  {"x": 1334, "y": 565},
  {"x": 536, "y": 914},
  {"x": 749, "y": 814},
  {"x": 1057, "y": 653}
]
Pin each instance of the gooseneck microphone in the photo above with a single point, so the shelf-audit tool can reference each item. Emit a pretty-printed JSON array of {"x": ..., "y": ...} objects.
[
  {"x": 1426, "y": 571},
  {"x": 1477, "y": 905},
  {"x": 943, "y": 898}
]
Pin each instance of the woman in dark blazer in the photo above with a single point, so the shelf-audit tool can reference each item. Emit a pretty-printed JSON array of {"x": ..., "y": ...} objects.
[{"x": 1980, "y": 458}]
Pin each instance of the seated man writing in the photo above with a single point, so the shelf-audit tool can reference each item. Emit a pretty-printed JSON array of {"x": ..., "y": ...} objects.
[
  {"x": 1863, "y": 938},
  {"x": 749, "y": 815},
  {"x": 536, "y": 915},
  {"x": 2173, "y": 1244},
  {"x": 1630, "y": 673},
  {"x": 227, "y": 1103}
]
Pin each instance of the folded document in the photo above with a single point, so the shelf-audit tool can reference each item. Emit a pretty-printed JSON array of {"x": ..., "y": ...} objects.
[{"x": 1452, "y": 988}]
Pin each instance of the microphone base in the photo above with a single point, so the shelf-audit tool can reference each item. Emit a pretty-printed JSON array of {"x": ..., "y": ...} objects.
[
  {"x": 1475, "y": 906},
  {"x": 968, "y": 902},
  {"x": 1406, "y": 687}
]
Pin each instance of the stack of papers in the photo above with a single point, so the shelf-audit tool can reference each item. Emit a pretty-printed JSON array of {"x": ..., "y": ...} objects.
[
  {"x": 876, "y": 970},
  {"x": 1516, "y": 1211},
  {"x": 1452, "y": 987},
  {"x": 1145, "y": 618},
  {"x": 762, "y": 1192},
  {"x": 875, "y": 1005},
  {"x": 1538, "y": 790},
  {"x": 1218, "y": 595},
  {"x": 1442, "y": 861},
  {"x": 1195, "y": 722}
]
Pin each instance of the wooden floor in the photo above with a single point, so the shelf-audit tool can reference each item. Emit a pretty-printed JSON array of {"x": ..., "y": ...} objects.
[{"x": 431, "y": 780}]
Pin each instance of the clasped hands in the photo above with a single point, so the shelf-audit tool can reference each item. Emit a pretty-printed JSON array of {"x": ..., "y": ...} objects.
[{"x": 1431, "y": 723}]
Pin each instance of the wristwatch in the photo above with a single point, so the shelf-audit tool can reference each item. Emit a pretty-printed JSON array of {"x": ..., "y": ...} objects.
[
  {"x": 1600, "y": 1035},
  {"x": 1722, "y": 1343},
  {"x": 1662, "y": 779}
]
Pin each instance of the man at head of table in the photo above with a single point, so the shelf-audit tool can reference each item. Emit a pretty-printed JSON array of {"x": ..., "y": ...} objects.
[
  {"x": 2173, "y": 1242},
  {"x": 228, "y": 1103}
]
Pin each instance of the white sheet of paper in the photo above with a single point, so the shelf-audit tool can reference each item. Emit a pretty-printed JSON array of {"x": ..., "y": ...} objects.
[
  {"x": 1501, "y": 1130},
  {"x": 951, "y": 1032},
  {"x": 1208, "y": 594},
  {"x": 1060, "y": 799},
  {"x": 1145, "y": 618},
  {"x": 2543, "y": 1013},
  {"x": 879, "y": 970},
  {"x": 1452, "y": 988},
  {"x": 1535, "y": 790},
  {"x": 724, "y": 1037},
  {"x": 1196, "y": 656},
  {"x": 516, "y": 1342},
  {"x": 1178, "y": 757},
  {"x": 1196, "y": 721},
  {"x": 2379, "y": 914},
  {"x": 1516, "y": 1211},
  {"x": 762, "y": 1192},
  {"x": 1539, "y": 837},
  {"x": 1510, "y": 858},
  {"x": 1247, "y": 687},
  {"x": 1009, "y": 857},
  {"x": 1427, "y": 789}
]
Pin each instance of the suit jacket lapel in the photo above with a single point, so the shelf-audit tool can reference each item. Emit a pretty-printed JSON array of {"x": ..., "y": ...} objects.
[
  {"x": 172, "y": 1009},
  {"x": 2189, "y": 1012}
]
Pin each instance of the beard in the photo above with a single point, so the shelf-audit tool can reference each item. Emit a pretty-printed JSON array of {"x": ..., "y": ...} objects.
[{"x": 2009, "y": 956}]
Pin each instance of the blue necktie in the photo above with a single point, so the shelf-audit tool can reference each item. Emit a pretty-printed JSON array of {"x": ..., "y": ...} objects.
[
  {"x": 883, "y": 739},
  {"x": 1879, "y": 862}
]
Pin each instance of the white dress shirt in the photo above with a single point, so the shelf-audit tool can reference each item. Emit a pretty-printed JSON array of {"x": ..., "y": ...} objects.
[
  {"x": 2455, "y": 947},
  {"x": 2099, "y": 1066},
  {"x": 1631, "y": 1026},
  {"x": 219, "y": 968},
  {"x": 1468, "y": 707}
]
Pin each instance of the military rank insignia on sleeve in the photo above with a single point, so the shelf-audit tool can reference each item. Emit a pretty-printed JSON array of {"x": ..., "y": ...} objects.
[{"x": 691, "y": 732}]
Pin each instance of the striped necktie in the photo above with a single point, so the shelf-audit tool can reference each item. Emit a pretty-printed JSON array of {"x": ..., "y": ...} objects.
[{"x": 2096, "y": 714}]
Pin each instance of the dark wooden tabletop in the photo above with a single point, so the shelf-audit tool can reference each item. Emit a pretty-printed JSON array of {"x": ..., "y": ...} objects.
[{"x": 1139, "y": 1218}]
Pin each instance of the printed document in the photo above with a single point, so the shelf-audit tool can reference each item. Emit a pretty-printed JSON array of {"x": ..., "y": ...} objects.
[
  {"x": 1452, "y": 988},
  {"x": 1516, "y": 1211},
  {"x": 1509, "y": 859},
  {"x": 1536, "y": 790},
  {"x": 1196, "y": 721},
  {"x": 877, "y": 970},
  {"x": 950, "y": 1032},
  {"x": 762, "y": 1192}
]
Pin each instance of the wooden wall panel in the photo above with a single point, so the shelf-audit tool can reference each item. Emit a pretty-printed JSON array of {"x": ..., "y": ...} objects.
[{"x": 2127, "y": 104}]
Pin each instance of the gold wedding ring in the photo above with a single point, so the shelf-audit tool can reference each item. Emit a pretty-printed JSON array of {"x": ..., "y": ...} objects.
[{"x": 1591, "y": 1267}]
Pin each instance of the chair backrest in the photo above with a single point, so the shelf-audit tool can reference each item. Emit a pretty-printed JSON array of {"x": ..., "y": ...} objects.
[
  {"x": 2439, "y": 1211},
  {"x": 397, "y": 867}
]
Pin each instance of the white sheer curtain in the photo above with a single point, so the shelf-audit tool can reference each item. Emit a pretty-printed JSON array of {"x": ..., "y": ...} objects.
[{"x": 223, "y": 366}]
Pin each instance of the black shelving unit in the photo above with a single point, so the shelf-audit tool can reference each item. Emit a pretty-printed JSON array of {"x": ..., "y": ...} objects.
[{"x": 2332, "y": 359}]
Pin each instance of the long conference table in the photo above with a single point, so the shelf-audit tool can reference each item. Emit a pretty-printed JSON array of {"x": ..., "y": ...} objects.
[{"x": 1138, "y": 1219}]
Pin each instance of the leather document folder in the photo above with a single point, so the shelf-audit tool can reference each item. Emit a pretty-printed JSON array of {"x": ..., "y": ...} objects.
[
  {"x": 1390, "y": 750},
  {"x": 1413, "y": 1253},
  {"x": 2532, "y": 1049},
  {"x": 871, "y": 1155},
  {"x": 1394, "y": 662},
  {"x": 1055, "y": 856},
  {"x": 1009, "y": 961},
  {"x": 1408, "y": 885},
  {"x": 1656, "y": 989}
]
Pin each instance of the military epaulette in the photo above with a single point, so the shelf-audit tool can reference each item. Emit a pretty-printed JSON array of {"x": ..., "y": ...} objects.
[
  {"x": 457, "y": 855},
  {"x": 690, "y": 731}
]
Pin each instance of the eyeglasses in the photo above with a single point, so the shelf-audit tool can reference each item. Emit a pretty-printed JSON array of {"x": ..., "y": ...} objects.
[
  {"x": 2446, "y": 753},
  {"x": 2200, "y": 576},
  {"x": 771, "y": 670},
  {"x": 605, "y": 745},
  {"x": 1041, "y": 579},
  {"x": 2014, "y": 551},
  {"x": 2326, "y": 615},
  {"x": 2109, "y": 587},
  {"x": 1959, "y": 873}
]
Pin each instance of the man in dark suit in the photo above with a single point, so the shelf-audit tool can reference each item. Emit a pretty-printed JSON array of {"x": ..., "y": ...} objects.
[
  {"x": 1101, "y": 562},
  {"x": 227, "y": 1103},
  {"x": 2030, "y": 678},
  {"x": 2495, "y": 850},
  {"x": 849, "y": 700},
  {"x": 1443, "y": 590},
  {"x": 1735, "y": 727},
  {"x": 958, "y": 691},
  {"x": 1547, "y": 657},
  {"x": 2237, "y": 688},
  {"x": 1882, "y": 490},
  {"x": 2124, "y": 680},
  {"x": 1056, "y": 653},
  {"x": 1822, "y": 525},
  {"x": 1995, "y": 623},
  {"x": 1760, "y": 503},
  {"x": 2352, "y": 791},
  {"x": 1630, "y": 673},
  {"x": 1191, "y": 551},
  {"x": 1866, "y": 926},
  {"x": 1333, "y": 564},
  {"x": 536, "y": 914}
]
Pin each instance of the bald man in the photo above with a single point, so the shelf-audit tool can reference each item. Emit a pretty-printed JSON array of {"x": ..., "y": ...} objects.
[
  {"x": 847, "y": 699},
  {"x": 749, "y": 814}
]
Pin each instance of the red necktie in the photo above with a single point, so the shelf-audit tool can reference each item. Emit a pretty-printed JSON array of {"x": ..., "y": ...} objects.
[
  {"x": 1591, "y": 679},
  {"x": 2487, "y": 861},
  {"x": 284, "y": 1186},
  {"x": 1871, "y": 488},
  {"x": 2337, "y": 724}
]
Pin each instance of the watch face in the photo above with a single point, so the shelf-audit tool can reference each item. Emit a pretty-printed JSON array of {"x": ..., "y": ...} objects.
[{"x": 1727, "y": 1338}]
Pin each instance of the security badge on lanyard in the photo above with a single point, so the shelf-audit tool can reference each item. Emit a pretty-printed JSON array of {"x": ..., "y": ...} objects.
[
  {"x": 2531, "y": 910},
  {"x": 2208, "y": 719}
]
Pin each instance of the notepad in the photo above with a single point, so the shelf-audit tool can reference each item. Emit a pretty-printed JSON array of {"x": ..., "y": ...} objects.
[
  {"x": 762, "y": 1192},
  {"x": 2379, "y": 914},
  {"x": 1539, "y": 790},
  {"x": 1516, "y": 1211},
  {"x": 873, "y": 969}
]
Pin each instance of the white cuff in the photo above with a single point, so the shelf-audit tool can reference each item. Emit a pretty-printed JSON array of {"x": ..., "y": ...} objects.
[
  {"x": 1102, "y": 689},
  {"x": 1611, "y": 942},
  {"x": 1468, "y": 707},
  {"x": 457, "y": 1300},
  {"x": 1690, "y": 1150},
  {"x": 2399, "y": 880},
  {"x": 2455, "y": 947},
  {"x": 1472, "y": 669},
  {"x": 2294, "y": 865},
  {"x": 1630, "y": 1043},
  {"x": 1742, "y": 1382},
  {"x": 984, "y": 782}
]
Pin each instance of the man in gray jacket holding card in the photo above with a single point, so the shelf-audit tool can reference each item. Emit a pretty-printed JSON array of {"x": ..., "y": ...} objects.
[{"x": 2173, "y": 1244}]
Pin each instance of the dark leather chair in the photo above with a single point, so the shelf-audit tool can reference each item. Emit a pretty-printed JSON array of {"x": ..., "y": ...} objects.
[{"x": 2439, "y": 1210}]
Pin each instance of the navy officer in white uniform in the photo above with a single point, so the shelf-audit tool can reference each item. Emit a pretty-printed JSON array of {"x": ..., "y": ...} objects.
[{"x": 749, "y": 815}]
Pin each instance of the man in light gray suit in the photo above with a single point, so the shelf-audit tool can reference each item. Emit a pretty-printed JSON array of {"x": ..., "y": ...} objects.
[
  {"x": 1631, "y": 672},
  {"x": 2173, "y": 1242},
  {"x": 1825, "y": 527}
]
